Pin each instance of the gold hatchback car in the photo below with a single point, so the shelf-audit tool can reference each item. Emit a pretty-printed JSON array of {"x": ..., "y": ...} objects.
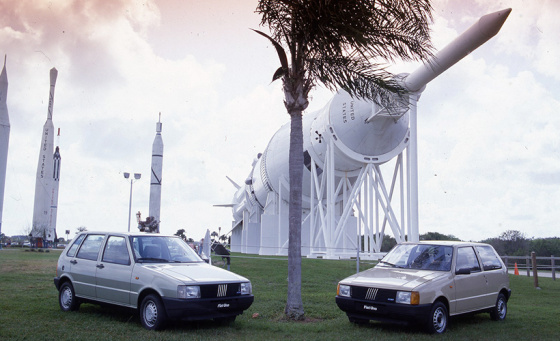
[
  {"x": 160, "y": 276},
  {"x": 427, "y": 282}
]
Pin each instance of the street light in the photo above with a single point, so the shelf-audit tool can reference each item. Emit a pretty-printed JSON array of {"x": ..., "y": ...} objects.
[{"x": 136, "y": 177}]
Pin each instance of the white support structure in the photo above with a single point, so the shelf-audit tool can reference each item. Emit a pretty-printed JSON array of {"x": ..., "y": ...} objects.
[{"x": 367, "y": 206}]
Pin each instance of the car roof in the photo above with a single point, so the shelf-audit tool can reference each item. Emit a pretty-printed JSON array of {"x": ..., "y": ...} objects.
[
  {"x": 445, "y": 242},
  {"x": 133, "y": 234}
]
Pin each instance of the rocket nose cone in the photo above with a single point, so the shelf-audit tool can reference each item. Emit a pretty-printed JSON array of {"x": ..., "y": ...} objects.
[
  {"x": 493, "y": 22},
  {"x": 54, "y": 75}
]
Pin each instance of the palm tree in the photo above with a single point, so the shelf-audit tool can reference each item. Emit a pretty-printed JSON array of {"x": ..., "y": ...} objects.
[{"x": 336, "y": 43}]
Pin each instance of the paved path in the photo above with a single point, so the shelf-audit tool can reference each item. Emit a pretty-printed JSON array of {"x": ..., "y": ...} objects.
[{"x": 540, "y": 274}]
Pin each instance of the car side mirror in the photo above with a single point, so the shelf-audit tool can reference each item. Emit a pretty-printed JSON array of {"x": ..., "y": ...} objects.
[{"x": 463, "y": 271}]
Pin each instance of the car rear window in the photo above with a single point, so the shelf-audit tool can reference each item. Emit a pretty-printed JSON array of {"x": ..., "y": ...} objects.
[{"x": 490, "y": 260}]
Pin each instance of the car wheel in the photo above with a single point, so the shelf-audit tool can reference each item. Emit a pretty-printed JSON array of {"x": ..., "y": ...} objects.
[
  {"x": 499, "y": 312},
  {"x": 67, "y": 299},
  {"x": 437, "y": 322},
  {"x": 152, "y": 313}
]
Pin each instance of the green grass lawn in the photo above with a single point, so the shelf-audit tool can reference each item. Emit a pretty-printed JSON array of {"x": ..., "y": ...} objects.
[{"x": 29, "y": 308}]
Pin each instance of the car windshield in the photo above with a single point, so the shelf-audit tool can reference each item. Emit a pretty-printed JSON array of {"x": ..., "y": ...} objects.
[
  {"x": 419, "y": 256},
  {"x": 162, "y": 249}
]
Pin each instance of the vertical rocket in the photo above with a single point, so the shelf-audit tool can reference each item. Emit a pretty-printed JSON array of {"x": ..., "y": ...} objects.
[
  {"x": 155, "y": 184},
  {"x": 51, "y": 232},
  {"x": 4, "y": 136},
  {"x": 44, "y": 181}
]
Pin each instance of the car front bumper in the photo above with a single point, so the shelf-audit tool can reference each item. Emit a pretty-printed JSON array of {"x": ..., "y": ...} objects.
[
  {"x": 202, "y": 309},
  {"x": 390, "y": 312}
]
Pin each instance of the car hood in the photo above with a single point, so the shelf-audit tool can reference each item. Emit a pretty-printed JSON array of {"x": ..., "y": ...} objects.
[
  {"x": 392, "y": 278},
  {"x": 196, "y": 272}
]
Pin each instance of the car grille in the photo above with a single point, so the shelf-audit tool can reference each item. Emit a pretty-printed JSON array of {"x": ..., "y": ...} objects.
[
  {"x": 220, "y": 290},
  {"x": 373, "y": 294}
]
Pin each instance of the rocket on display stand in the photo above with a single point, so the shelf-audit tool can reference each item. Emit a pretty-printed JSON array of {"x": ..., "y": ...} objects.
[
  {"x": 48, "y": 171},
  {"x": 345, "y": 194},
  {"x": 4, "y": 136},
  {"x": 157, "y": 170}
]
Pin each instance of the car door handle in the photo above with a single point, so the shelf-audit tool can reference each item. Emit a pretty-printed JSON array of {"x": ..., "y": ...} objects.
[
  {"x": 73, "y": 261},
  {"x": 100, "y": 266}
]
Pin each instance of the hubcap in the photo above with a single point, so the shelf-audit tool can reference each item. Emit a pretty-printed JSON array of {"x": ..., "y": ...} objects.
[
  {"x": 502, "y": 309},
  {"x": 66, "y": 297},
  {"x": 150, "y": 314},
  {"x": 439, "y": 320}
]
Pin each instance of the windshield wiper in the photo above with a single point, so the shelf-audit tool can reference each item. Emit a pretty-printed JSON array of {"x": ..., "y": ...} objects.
[
  {"x": 153, "y": 259},
  {"x": 391, "y": 264}
]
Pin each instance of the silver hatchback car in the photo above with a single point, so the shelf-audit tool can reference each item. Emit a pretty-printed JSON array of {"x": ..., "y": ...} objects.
[
  {"x": 427, "y": 282},
  {"x": 161, "y": 276}
]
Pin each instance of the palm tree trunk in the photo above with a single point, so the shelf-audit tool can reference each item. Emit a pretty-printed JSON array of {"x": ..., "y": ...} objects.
[{"x": 294, "y": 304}]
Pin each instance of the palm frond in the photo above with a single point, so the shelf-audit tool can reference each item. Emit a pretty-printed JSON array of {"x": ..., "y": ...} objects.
[{"x": 353, "y": 38}]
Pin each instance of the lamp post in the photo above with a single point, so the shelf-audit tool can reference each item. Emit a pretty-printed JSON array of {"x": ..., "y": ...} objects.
[{"x": 136, "y": 177}]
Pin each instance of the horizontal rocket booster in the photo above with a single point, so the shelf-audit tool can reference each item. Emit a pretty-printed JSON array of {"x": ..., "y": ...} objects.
[
  {"x": 485, "y": 28},
  {"x": 359, "y": 131}
]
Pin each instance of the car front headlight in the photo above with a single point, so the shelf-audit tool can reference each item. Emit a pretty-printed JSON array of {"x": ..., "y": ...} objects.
[
  {"x": 246, "y": 288},
  {"x": 343, "y": 290},
  {"x": 188, "y": 291},
  {"x": 408, "y": 297}
]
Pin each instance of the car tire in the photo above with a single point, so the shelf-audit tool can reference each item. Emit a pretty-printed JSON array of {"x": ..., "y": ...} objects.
[
  {"x": 152, "y": 313},
  {"x": 67, "y": 298},
  {"x": 499, "y": 312},
  {"x": 437, "y": 321}
]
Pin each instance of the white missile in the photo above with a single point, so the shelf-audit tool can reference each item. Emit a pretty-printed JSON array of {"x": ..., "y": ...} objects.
[
  {"x": 361, "y": 131},
  {"x": 44, "y": 179},
  {"x": 157, "y": 170},
  {"x": 4, "y": 136},
  {"x": 51, "y": 233},
  {"x": 340, "y": 141},
  {"x": 479, "y": 33}
]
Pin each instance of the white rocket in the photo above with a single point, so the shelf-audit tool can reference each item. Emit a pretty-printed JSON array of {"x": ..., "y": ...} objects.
[
  {"x": 51, "y": 232},
  {"x": 344, "y": 145},
  {"x": 4, "y": 136},
  {"x": 155, "y": 184},
  {"x": 45, "y": 180}
]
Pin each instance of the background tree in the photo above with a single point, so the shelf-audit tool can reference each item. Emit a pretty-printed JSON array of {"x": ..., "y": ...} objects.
[
  {"x": 336, "y": 43},
  {"x": 546, "y": 247},
  {"x": 388, "y": 243},
  {"x": 181, "y": 234},
  {"x": 510, "y": 243},
  {"x": 438, "y": 236}
]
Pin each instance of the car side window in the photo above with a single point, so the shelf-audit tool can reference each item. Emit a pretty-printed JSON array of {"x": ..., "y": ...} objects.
[
  {"x": 72, "y": 250},
  {"x": 466, "y": 259},
  {"x": 490, "y": 260},
  {"x": 90, "y": 247},
  {"x": 116, "y": 251}
]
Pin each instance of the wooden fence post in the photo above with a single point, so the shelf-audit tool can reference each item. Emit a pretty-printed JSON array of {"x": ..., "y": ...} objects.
[
  {"x": 535, "y": 274},
  {"x": 553, "y": 266},
  {"x": 528, "y": 266}
]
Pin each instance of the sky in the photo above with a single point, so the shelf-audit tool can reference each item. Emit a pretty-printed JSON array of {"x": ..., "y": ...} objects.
[{"x": 488, "y": 142}]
